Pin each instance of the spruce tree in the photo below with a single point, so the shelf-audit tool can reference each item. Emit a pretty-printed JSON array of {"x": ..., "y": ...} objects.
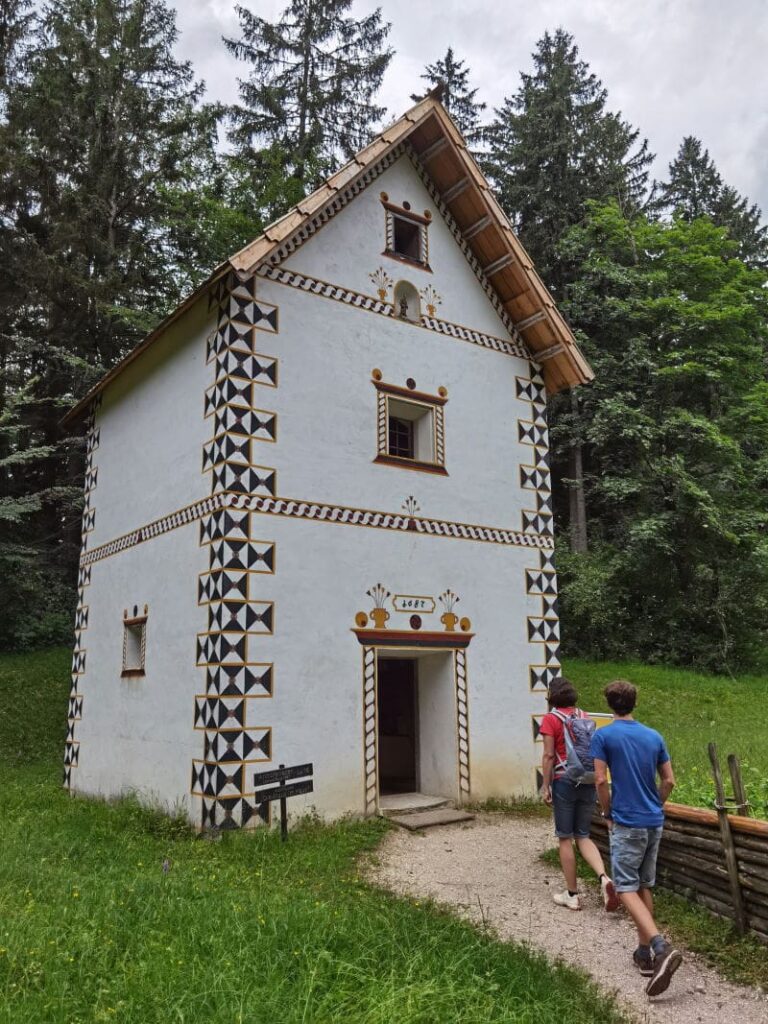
[
  {"x": 553, "y": 146},
  {"x": 457, "y": 97},
  {"x": 102, "y": 129},
  {"x": 308, "y": 101},
  {"x": 695, "y": 188}
]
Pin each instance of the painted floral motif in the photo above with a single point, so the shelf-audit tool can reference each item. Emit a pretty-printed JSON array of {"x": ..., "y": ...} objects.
[
  {"x": 411, "y": 506},
  {"x": 431, "y": 299},
  {"x": 449, "y": 618},
  {"x": 379, "y": 595},
  {"x": 382, "y": 281}
]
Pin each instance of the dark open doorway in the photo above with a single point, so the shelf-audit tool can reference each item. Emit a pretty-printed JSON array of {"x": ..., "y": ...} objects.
[{"x": 397, "y": 725}]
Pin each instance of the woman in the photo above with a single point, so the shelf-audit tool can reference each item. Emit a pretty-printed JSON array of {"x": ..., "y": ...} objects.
[{"x": 573, "y": 804}]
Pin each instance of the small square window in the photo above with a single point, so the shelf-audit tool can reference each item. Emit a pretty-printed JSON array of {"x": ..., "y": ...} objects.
[
  {"x": 407, "y": 239},
  {"x": 411, "y": 431},
  {"x": 134, "y": 645}
]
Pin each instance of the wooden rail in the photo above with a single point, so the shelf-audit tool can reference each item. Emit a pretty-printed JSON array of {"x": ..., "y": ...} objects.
[{"x": 694, "y": 863}]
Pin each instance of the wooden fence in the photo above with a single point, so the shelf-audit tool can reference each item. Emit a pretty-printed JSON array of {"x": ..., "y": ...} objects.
[{"x": 716, "y": 859}]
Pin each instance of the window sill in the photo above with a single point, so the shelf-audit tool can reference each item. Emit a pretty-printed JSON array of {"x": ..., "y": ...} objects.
[
  {"x": 132, "y": 673},
  {"x": 407, "y": 261},
  {"x": 403, "y": 463}
]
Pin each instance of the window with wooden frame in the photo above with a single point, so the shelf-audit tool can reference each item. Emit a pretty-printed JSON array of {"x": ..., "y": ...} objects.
[
  {"x": 406, "y": 233},
  {"x": 411, "y": 427},
  {"x": 134, "y": 642}
]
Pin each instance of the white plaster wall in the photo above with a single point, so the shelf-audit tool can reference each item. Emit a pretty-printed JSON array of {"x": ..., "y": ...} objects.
[
  {"x": 152, "y": 431},
  {"x": 350, "y": 247},
  {"x": 323, "y": 573},
  {"x": 438, "y": 755},
  {"x": 136, "y": 734}
]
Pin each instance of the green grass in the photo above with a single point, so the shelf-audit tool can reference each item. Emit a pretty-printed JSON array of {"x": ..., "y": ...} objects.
[
  {"x": 239, "y": 931},
  {"x": 740, "y": 958},
  {"x": 691, "y": 709}
]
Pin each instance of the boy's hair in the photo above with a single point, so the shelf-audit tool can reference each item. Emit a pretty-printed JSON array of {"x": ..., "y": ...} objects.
[
  {"x": 621, "y": 696},
  {"x": 562, "y": 693}
]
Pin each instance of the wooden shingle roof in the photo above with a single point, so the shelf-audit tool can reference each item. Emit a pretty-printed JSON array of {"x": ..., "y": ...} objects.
[{"x": 443, "y": 154}]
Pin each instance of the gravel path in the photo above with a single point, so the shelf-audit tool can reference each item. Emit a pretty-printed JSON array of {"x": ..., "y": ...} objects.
[{"x": 490, "y": 871}]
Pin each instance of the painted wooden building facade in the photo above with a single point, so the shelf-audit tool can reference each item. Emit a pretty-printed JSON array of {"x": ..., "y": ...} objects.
[{"x": 318, "y": 519}]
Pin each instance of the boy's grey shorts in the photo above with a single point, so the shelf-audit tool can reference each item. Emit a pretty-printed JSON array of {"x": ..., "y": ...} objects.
[{"x": 633, "y": 857}]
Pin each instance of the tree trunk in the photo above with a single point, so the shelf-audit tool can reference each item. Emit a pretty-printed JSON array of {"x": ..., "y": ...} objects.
[{"x": 576, "y": 500}]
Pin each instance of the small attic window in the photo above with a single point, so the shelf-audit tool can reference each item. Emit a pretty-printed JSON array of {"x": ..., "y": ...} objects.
[
  {"x": 407, "y": 239},
  {"x": 406, "y": 233}
]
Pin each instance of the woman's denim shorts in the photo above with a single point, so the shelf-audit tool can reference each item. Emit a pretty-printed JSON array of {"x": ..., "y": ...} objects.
[{"x": 573, "y": 806}]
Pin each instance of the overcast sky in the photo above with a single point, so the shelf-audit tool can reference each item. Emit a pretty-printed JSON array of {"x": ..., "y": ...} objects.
[{"x": 672, "y": 67}]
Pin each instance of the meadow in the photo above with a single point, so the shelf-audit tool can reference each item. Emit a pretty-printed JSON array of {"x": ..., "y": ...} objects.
[
  {"x": 691, "y": 709},
  {"x": 111, "y": 912}
]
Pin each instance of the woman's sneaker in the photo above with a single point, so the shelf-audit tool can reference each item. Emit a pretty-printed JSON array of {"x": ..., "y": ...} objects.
[
  {"x": 665, "y": 963},
  {"x": 610, "y": 899},
  {"x": 643, "y": 962},
  {"x": 564, "y": 899}
]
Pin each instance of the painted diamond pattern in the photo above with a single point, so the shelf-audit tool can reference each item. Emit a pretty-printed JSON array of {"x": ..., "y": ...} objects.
[
  {"x": 81, "y": 618},
  {"x": 541, "y": 677},
  {"x": 232, "y": 812},
  {"x": 539, "y": 581},
  {"x": 226, "y": 448},
  {"x": 75, "y": 710},
  {"x": 258, "y": 368},
  {"x": 531, "y": 433},
  {"x": 229, "y": 745},
  {"x": 232, "y": 523},
  {"x": 543, "y": 630},
  {"x": 238, "y": 420},
  {"x": 219, "y": 712},
  {"x": 244, "y": 479},
  {"x": 215, "y": 586},
  {"x": 71, "y": 755},
  {"x": 78, "y": 662},
  {"x": 221, "y": 648},
  {"x": 230, "y": 391},
  {"x": 258, "y": 314},
  {"x": 241, "y": 617},
  {"x": 537, "y": 522},
  {"x": 534, "y": 479},
  {"x": 257, "y": 556},
  {"x": 214, "y": 781},
  {"x": 240, "y": 680}
]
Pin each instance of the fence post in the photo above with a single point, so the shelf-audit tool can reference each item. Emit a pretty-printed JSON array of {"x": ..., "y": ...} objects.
[
  {"x": 739, "y": 793},
  {"x": 728, "y": 844}
]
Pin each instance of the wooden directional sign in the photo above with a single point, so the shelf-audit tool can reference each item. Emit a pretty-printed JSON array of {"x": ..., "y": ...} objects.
[
  {"x": 282, "y": 791},
  {"x": 300, "y": 771}
]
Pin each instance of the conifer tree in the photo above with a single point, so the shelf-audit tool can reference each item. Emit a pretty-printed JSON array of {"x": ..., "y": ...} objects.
[
  {"x": 102, "y": 126},
  {"x": 554, "y": 146},
  {"x": 695, "y": 188},
  {"x": 309, "y": 98},
  {"x": 457, "y": 97}
]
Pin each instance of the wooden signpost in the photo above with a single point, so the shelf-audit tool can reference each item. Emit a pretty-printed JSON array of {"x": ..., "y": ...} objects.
[{"x": 281, "y": 791}]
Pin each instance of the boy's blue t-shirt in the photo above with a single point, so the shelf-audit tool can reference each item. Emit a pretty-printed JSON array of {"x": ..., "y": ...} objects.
[{"x": 632, "y": 752}]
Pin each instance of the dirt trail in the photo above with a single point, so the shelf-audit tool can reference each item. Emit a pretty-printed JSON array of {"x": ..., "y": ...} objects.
[{"x": 490, "y": 871}]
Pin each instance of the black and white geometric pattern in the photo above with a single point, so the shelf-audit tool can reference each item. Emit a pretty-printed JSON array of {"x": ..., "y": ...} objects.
[
  {"x": 229, "y": 476},
  {"x": 238, "y": 620},
  {"x": 75, "y": 704},
  {"x": 247, "y": 366},
  {"x": 254, "y": 680},
  {"x": 543, "y": 630}
]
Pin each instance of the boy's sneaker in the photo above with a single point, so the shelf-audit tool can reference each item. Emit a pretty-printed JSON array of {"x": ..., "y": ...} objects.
[
  {"x": 564, "y": 899},
  {"x": 665, "y": 963},
  {"x": 643, "y": 962},
  {"x": 610, "y": 898}
]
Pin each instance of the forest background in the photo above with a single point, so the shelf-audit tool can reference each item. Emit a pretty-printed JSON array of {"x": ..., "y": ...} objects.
[{"x": 121, "y": 187}]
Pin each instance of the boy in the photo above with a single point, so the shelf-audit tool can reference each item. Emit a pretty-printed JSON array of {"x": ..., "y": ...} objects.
[{"x": 633, "y": 809}]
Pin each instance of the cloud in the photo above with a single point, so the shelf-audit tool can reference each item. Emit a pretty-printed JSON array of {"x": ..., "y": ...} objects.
[{"x": 673, "y": 67}]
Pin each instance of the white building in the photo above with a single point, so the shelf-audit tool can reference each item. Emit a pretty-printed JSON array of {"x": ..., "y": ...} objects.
[{"x": 318, "y": 519}]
